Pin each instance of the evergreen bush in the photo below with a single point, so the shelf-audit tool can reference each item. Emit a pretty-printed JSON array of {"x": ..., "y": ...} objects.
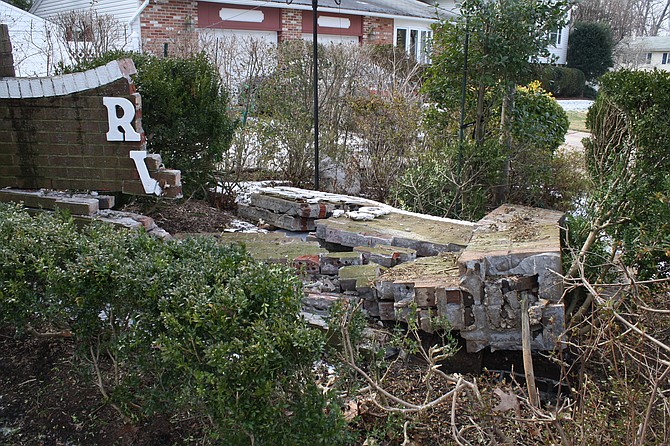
[
  {"x": 562, "y": 82},
  {"x": 189, "y": 325}
]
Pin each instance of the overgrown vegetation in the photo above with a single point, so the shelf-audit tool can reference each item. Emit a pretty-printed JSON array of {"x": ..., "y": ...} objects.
[
  {"x": 503, "y": 39},
  {"x": 187, "y": 326}
]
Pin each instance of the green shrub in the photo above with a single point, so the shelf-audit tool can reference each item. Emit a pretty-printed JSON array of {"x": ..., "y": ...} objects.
[
  {"x": 429, "y": 185},
  {"x": 185, "y": 114},
  {"x": 590, "y": 48},
  {"x": 190, "y": 325},
  {"x": 627, "y": 160},
  {"x": 562, "y": 82},
  {"x": 538, "y": 129}
]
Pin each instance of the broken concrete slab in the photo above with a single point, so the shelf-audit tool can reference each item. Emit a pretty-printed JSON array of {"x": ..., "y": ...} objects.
[
  {"x": 296, "y": 209},
  {"x": 269, "y": 246},
  {"x": 426, "y": 235},
  {"x": 291, "y": 207}
]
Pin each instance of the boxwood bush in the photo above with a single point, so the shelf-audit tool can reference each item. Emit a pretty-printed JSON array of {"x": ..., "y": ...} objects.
[{"x": 189, "y": 325}]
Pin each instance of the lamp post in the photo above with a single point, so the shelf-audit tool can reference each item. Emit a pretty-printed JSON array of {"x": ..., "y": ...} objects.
[
  {"x": 315, "y": 85},
  {"x": 461, "y": 127}
]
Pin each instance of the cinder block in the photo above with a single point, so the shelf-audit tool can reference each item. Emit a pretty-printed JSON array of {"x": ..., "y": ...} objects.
[{"x": 309, "y": 264}]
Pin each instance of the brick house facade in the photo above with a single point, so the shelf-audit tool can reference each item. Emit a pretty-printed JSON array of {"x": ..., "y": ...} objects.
[{"x": 174, "y": 26}]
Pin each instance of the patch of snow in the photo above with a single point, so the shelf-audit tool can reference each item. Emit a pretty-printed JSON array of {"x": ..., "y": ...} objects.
[
  {"x": 575, "y": 104},
  {"x": 243, "y": 226}
]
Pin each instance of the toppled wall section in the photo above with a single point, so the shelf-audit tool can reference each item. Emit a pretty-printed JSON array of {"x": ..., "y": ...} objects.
[
  {"x": 472, "y": 275},
  {"x": 84, "y": 208},
  {"x": 79, "y": 131},
  {"x": 297, "y": 209},
  {"x": 515, "y": 252}
]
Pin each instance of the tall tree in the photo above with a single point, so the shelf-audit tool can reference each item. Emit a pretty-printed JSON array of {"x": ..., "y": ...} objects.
[
  {"x": 23, "y": 4},
  {"x": 504, "y": 38},
  {"x": 626, "y": 18},
  {"x": 590, "y": 49}
]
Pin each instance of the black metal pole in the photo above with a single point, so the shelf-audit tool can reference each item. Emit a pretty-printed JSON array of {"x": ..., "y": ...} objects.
[
  {"x": 315, "y": 5},
  {"x": 461, "y": 129}
]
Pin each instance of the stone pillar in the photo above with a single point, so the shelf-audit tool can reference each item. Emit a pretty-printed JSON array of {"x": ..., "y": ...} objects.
[{"x": 6, "y": 57}]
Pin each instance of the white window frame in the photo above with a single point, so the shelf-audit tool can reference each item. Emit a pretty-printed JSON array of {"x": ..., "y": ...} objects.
[{"x": 421, "y": 45}]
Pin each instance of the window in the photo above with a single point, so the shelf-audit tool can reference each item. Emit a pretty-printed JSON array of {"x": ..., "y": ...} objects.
[
  {"x": 555, "y": 37},
  {"x": 648, "y": 59},
  {"x": 665, "y": 58},
  {"x": 416, "y": 42},
  {"x": 401, "y": 38}
]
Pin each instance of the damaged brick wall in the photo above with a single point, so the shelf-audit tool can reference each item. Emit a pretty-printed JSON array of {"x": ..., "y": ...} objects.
[{"x": 53, "y": 134}]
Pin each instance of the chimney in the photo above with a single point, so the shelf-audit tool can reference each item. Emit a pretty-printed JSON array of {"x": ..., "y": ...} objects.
[{"x": 6, "y": 58}]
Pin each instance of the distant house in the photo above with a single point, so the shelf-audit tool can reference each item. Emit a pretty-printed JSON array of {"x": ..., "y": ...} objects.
[
  {"x": 643, "y": 53},
  {"x": 34, "y": 48},
  {"x": 157, "y": 25},
  {"x": 558, "y": 47}
]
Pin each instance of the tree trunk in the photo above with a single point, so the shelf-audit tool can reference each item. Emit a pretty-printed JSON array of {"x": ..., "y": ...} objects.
[
  {"x": 480, "y": 122},
  {"x": 501, "y": 194}
]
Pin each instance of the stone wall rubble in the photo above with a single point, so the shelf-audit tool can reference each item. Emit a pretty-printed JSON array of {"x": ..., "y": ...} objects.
[{"x": 404, "y": 265}]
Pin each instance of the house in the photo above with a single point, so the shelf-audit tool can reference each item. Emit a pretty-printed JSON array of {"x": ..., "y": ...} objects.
[
  {"x": 157, "y": 26},
  {"x": 558, "y": 47},
  {"x": 34, "y": 48},
  {"x": 643, "y": 53}
]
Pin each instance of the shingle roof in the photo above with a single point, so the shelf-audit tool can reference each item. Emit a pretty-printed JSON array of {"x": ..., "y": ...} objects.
[
  {"x": 400, "y": 8},
  {"x": 656, "y": 43}
]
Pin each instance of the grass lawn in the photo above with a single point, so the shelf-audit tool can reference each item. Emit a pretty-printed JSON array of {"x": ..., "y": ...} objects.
[{"x": 577, "y": 120}]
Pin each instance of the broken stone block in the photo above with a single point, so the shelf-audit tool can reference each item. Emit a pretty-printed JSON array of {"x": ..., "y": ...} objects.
[
  {"x": 295, "y": 208},
  {"x": 284, "y": 221},
  {"x": 77, "y": 206},
  {"x": 386, "y": 255},
  {"x": 332, "y": 262},
  {"x": 355, "y": 277}
]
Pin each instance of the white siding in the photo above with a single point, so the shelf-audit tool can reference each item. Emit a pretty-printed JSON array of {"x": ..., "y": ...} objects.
[
  {"x": 34, "y": 54},
  {"x": 121, "y": 10}
]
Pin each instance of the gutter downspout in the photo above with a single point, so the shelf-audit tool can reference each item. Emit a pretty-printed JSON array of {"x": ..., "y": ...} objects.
[
  {"x": 135, "y": 16},
  {"x": 138, "y": 12}
]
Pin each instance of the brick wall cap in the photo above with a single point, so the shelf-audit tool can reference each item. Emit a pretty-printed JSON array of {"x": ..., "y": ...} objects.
[{"x": 18, "y": 88}]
